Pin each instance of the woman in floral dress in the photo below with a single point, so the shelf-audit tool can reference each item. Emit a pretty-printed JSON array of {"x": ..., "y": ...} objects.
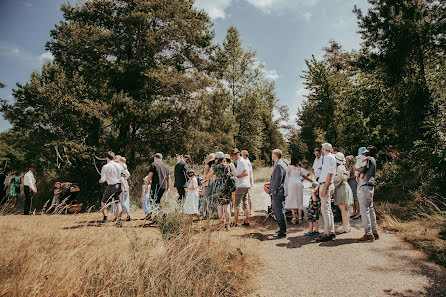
[{"x": 219, "y": 171}]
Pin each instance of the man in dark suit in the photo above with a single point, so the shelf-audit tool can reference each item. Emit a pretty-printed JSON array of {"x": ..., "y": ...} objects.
[
  {"x": 278, "y": 191},
  {"x": 180, "y": 173}
]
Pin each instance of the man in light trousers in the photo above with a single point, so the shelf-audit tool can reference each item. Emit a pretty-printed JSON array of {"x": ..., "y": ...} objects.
[
  {"x": 326, "y": 190},
  {"x": 366, "y": 191}
]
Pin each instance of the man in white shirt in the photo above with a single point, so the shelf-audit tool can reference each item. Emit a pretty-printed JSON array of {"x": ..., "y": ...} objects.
[
  {"x": 245, "y": 156},
  {"x": 29, "y": 187},
  {"x": 326, "y": 190},
  {"x": 112, "y": 173},
  {"x": 317, "y": 164},
  {"x": 242, "y": 184}
]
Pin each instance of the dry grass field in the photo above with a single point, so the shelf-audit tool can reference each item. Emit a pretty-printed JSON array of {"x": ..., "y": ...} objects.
[{"x": 73, "y": 255}]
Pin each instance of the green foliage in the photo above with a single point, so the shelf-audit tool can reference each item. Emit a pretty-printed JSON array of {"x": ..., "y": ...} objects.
[
  {"x": 137, "y": 77},
  {"x": 390, "y": 94}
]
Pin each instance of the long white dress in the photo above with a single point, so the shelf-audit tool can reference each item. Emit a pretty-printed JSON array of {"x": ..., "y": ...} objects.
[
  {"x": 295, "y": 198},
  {"x": 191, "y": 203}
]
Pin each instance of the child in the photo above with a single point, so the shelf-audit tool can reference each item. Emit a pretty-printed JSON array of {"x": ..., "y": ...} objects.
[
  {"x": 14, "y": 192},
  {"x": 361, "y": 161},
  {"x": 191, "y": 203},
  {"x": 56, "y": 195},
  {"x": 145, "y": 200},
  {"x": 313, "y": 210}
]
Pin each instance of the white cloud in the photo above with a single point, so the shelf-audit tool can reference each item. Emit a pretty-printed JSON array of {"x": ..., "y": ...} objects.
[
  {"x": 271, "y": 74},
  {"x": 45, "y": 57},
  {"x": 215, "y": 8},
  {"x": 8, "y": 49},
  {"x": 301, "y": 96}
]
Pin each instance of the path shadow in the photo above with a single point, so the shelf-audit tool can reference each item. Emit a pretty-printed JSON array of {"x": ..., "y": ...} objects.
[
  {"x": 258, "y": 236},
  {"x": 436, "y": 274},
  {"x": 297, "y": 242},
  {"x": 338, "y": 242}
]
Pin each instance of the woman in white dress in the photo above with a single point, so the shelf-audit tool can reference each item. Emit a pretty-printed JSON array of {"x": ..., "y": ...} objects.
[
  {"x": 191, "y": 204},
  {"x": 295, "y": 198}
]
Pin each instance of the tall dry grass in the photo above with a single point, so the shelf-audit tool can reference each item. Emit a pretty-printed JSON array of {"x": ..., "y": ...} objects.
[
  {"x": 422, "y": 223},
  {"x": 69, "y": 256},
  {"x": 262, "y": 174}
]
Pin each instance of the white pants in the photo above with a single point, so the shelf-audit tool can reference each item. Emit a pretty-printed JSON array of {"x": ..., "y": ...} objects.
[{"x": 327, "y": 213}]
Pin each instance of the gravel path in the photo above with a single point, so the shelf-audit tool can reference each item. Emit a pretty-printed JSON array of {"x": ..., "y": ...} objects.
[{"x": 298, "y": 266}]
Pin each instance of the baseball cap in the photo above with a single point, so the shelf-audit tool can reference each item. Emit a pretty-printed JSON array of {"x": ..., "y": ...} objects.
[{"x": 362, "y": 150}]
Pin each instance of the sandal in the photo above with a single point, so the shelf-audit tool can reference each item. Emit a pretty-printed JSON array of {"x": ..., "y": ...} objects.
[
  {"x": 293, "y": 221},
  {"x": 308, "y": 234}
]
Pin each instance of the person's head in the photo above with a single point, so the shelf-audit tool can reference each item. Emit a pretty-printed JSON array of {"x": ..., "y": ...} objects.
[
  {"x": 317, "y": 152},
  {"x": 16, "y": 173},
  {"x": 187, "y": 158},
  {"x": 314, "y": 184},
  {"x": 57, "y": 185},
  {"x": 276, "y": 155},
  {"x": 227, "y": 159},
  {"x": 117, "y": 159},
  {"x": 110, "y": 156},
  {"x": 190, "y": 174},
  {"x": 340, "y": 159},
  {"x": 235, "y": 154},
  {"x": 335, "y": 150},
  {"x": 219, "y": 157},
  {"x": 179, "y": 157},
  {"x": 372, "y": 150},
  {"x": 295, "y": 161},
  {"x": 32, "y": 168},
  {"x": 157, "y": 157},
  {"x": 245, "y": 154},
  {"x": 351, "y": 160},
  {"x": 211, "y": 157},
  {"x": 326, "y": 148},
  {"x": 362, "y": 151}
]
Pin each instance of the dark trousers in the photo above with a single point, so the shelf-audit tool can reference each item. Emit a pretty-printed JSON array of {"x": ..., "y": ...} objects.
[
  {"x": 156, "y": 194},
  {"x": 181, "y": 192},
  {"x": 28, "y": 197},
  {"x": 277, "y": 203}
]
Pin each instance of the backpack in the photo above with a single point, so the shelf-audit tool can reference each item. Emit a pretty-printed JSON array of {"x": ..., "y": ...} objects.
[{"x": 229, "y": 185}]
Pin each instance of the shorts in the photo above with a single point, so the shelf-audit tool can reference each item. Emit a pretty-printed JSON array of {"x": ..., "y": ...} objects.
[
  {"x": 241, "y": 196},
  {"x": 112, "y": 193}
]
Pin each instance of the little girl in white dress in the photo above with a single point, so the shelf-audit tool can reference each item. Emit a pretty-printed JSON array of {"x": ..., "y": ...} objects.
[{"x": 191, "y": 201}]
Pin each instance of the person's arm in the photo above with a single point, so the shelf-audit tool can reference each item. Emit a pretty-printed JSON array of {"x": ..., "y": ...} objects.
[
  {"x": 327, "y": 184},
  {"x": 338, "y": 176},
  {"x": 244, "y": 173},
  {"x": 32, "y": 185},
  {"x": 102, "y": 180},
  {"x": 168, "y": 183},
  {"x": 206, "y": 169},
  {"x": 307, "y": 177},
  {"x": 275, "y": 179},
  {"x": 210, "y": 174},
  {"x": 148, "y": 181}
]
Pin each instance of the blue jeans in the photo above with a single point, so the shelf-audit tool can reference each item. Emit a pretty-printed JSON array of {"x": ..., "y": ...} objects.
[{"x": 277, "y": 203}]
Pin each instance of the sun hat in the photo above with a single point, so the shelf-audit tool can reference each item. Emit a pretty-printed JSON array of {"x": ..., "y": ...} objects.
[
  {"x": 219, "y": 155},
  {"x": 235, "y": 151},
  {"x": 362, "y": 150},
  {"x": 159, "y": 156},
  {"x": 227, "y": 156},
  {"x": 340, "y": 158},
  {"x": 314, "y": 184}
]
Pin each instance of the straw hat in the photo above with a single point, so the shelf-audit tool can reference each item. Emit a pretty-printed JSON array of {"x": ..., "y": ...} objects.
[{"x": 340, "y": 159}]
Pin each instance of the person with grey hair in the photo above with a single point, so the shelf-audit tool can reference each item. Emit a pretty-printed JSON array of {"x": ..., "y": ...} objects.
[
  {"x": 278, "y": 191},
  {"x": 326, "y": 190},
  {"x": 158, "y": 178},
  {"x": 112, "y": 173}
]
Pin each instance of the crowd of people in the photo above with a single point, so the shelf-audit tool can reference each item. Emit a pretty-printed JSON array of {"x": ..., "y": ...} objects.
[{"x": 224, "y": 189}]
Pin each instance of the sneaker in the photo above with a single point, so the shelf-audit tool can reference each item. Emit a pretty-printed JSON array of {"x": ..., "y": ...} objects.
[
  {"x": 128, "y": 219},
  {"x": 315, "y": 233},
  {"x": 366, "y": 237},
  {"x": 104, "y": 219},
  {"x": 118, "y": 223},
  {"x": 324, "y": 238},
  {"x": 245, "y": 224},
  {"x": 308, "y": 234},
  {"x": 376, "y": 235}
]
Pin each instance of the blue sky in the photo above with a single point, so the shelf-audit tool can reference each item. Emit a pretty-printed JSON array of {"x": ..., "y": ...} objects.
[{"x": 283, "y": 33}]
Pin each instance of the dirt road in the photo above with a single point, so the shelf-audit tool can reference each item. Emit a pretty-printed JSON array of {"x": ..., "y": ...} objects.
[{"x": 298, "y": 266}]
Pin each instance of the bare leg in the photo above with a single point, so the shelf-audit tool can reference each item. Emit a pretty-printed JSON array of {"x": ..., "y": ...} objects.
[
  {"x": 300, "y": 214},
  {"x": 220, "y": 214},
  {"x": 356, "y": 208},
  {"x": 345, "y": 217},
  {"x": 293, "y": 212},
  {"x": 227, "y": 216},
  {"x": 310, "y": 229},
  {"x": 316, "y": 224},
  {"x": 236, "y": 216},
  {"x": 104, "y": 209}
]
